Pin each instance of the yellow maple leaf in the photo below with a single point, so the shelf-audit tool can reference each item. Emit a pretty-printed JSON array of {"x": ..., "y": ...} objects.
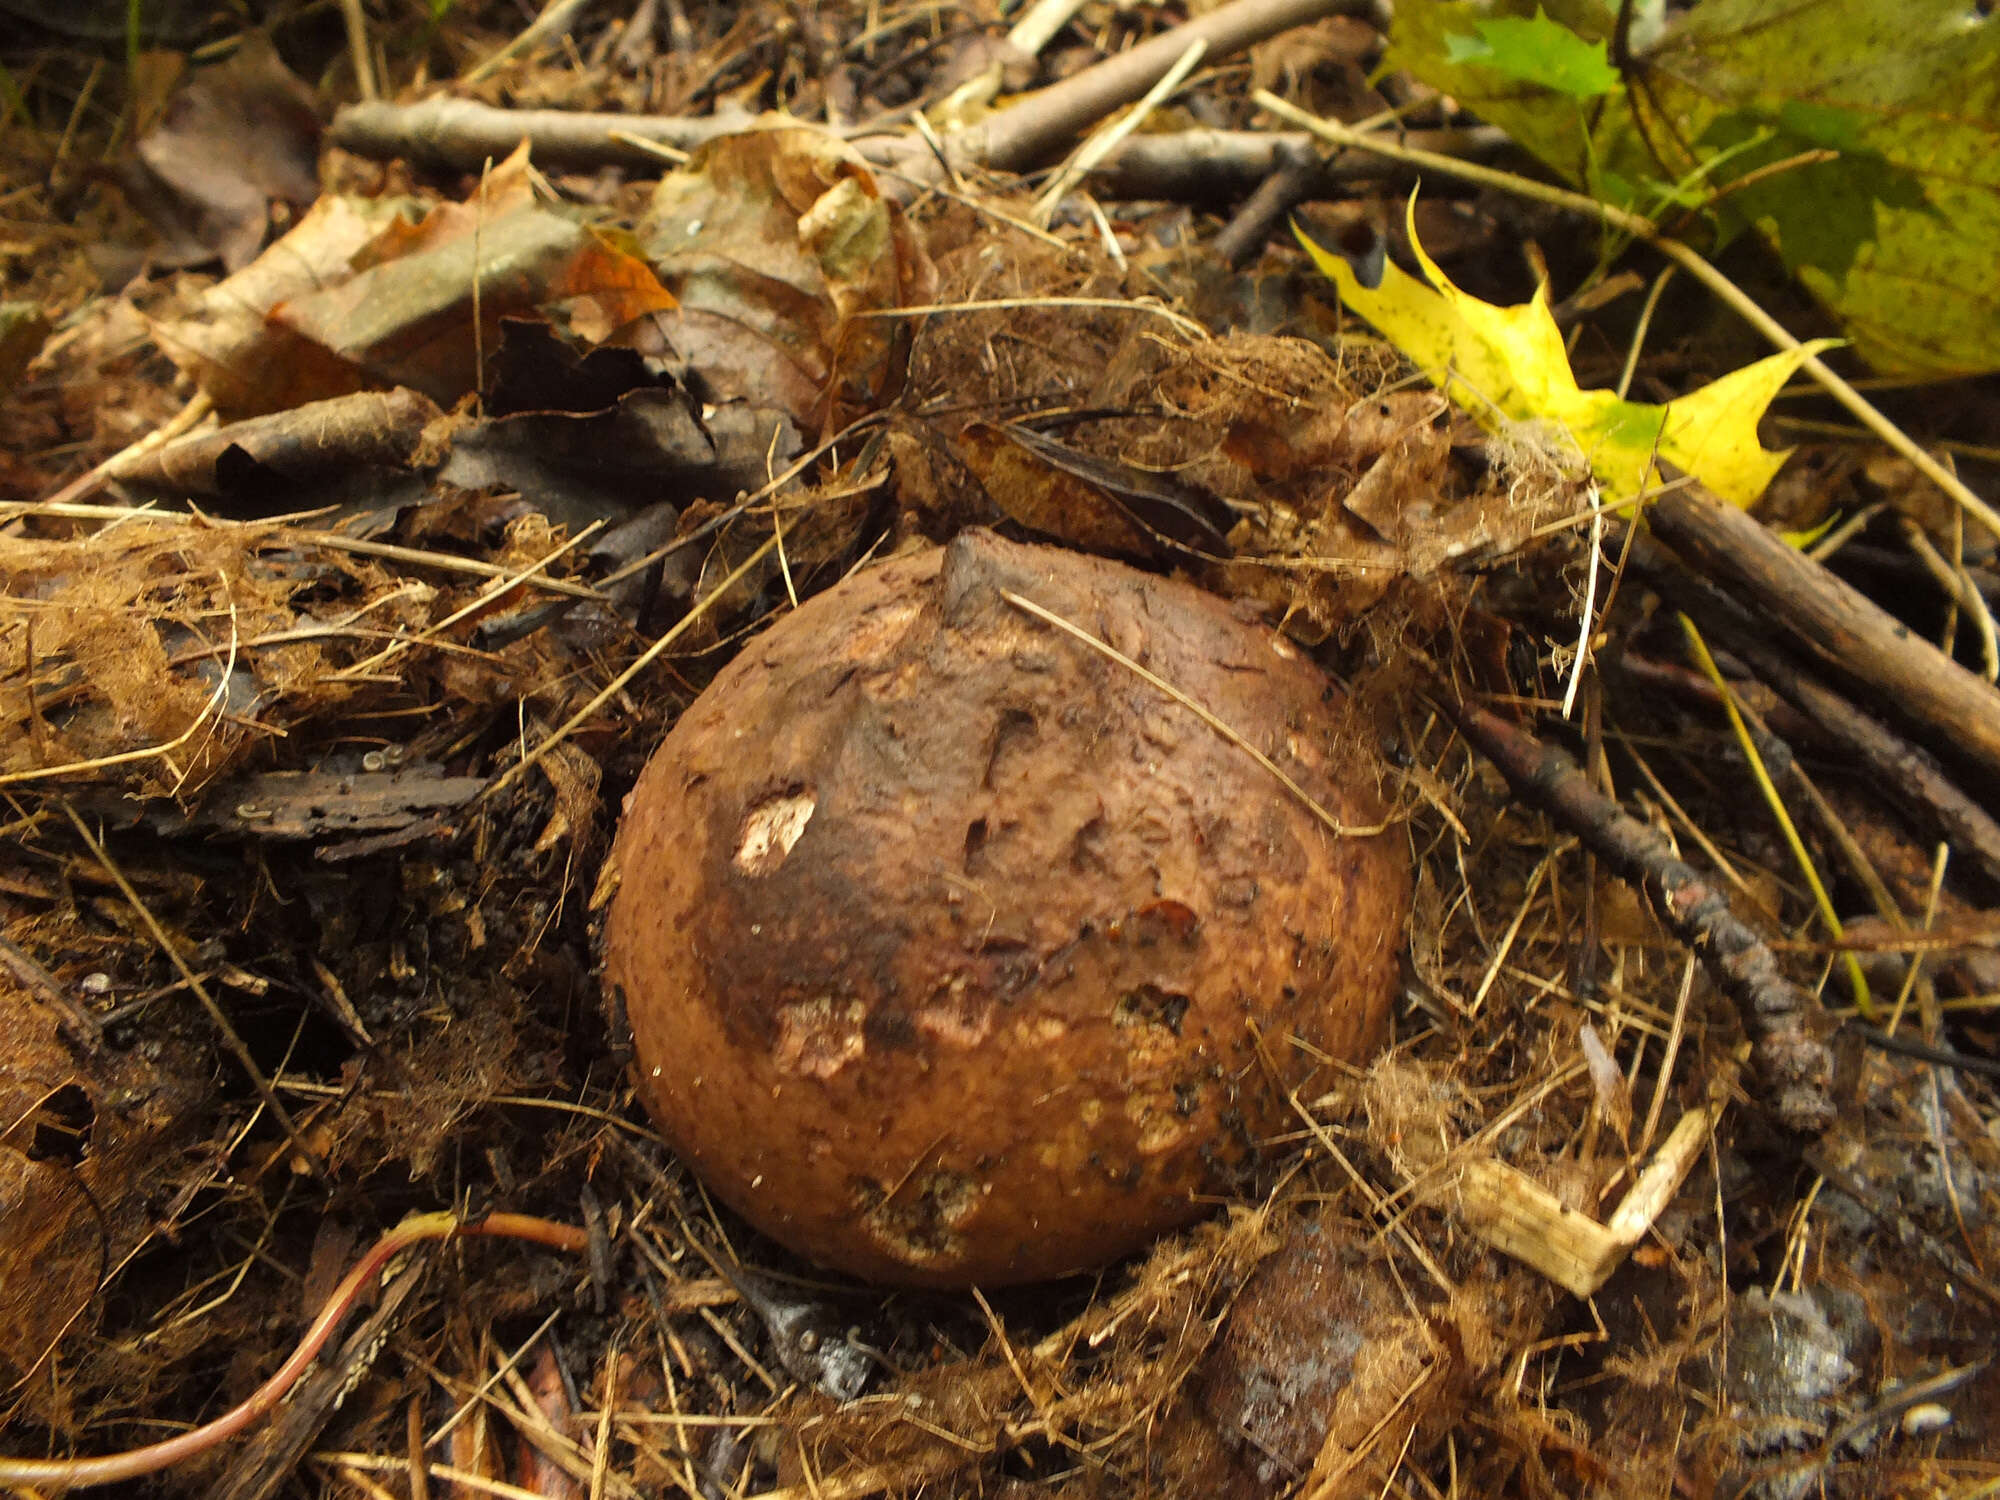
[{"x": 1509, "y": 362}]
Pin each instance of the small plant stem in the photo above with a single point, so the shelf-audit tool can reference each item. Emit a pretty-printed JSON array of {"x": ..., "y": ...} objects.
[{"x": 70, "y": 1473}]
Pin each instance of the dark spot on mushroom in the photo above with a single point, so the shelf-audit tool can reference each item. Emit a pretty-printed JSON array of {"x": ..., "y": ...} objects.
[
  {"x": 921, "y": 1218},
  {"x": 1014, "y": 734},
  {"x": 1149, "y": 1005},
  {"x": 975, "y": 844}
]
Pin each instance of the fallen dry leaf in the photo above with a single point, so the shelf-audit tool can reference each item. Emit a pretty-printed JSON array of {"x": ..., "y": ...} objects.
[
  {"x": 248, "y": 365},
  {"x": 363, "y": 293},
  {"x": 780, "y": 249},
  {"x": 406, "y": 316},
  {"x": 233, "y": 140}
]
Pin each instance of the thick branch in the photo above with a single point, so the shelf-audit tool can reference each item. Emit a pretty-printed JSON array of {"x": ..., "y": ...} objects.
[
  {"x": 1905, "y": 774},
  {"x": 463, "y": 134},
  {"x": 1038, "y": 126},
  {"x": 1836, "y": 623}
]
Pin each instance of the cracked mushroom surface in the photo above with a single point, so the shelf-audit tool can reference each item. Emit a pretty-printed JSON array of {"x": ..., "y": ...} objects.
[{"x": 955, "y": 952}]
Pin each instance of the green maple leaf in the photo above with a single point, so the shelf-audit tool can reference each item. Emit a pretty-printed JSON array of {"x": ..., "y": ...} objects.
[{"x": 1537, "y": 50}]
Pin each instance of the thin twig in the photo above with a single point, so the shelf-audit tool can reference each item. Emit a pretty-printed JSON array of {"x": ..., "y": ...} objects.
[
  {"x": 1957, "y": 585},
  {"x": 356, "y": 20},
  {"x": 1833, "y": 621},
  {"x": 1784, "y": 1022}
]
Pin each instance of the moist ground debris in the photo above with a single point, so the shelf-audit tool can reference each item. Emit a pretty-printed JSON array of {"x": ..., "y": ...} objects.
[{"x": 410, "y": 412}]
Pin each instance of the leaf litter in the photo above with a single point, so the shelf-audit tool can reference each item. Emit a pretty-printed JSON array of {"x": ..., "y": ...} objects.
[{"x": 288, "y": 714}]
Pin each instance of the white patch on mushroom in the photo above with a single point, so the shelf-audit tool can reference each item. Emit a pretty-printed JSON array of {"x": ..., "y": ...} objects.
[
  {"x": 819, "y": 1037},
  {"x": 770, "y": 830}
]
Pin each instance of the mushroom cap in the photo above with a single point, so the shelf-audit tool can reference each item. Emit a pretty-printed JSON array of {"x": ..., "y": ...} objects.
[{"x": 955, "y": 952}]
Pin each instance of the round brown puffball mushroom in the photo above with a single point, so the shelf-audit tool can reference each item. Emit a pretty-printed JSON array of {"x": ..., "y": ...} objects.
[{"x": 955, "y": 952}]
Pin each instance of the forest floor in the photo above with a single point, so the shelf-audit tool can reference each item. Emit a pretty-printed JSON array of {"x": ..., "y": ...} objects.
[{"x": 374, "y": 497}]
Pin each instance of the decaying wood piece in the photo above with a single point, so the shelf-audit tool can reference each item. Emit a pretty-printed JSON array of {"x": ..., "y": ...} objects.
[
  {"x": 1516, "y": 1215},
  {"x": 1787, "y": 1028},
  {"x": 1907, "y": 775},
  {"x": 1838, "y": 624},
  {"x": 314, "y": 804}
]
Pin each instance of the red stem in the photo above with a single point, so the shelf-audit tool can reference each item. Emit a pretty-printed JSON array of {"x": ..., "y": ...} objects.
[{"x": 72, "y": 1473}]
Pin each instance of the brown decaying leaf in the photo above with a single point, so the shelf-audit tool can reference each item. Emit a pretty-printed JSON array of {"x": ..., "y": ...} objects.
[
  {"x": 780, "y": 247},
  {"x": 1341, "y": 493},
  {"x": 1047, "y": 500},
  {"x": 233, "y": 139},
  {"x": 249, "y": 366},
  {"x": 319, "y": 440},
  {"x": 406, "y": 315},
  {"x": 360, "y": 294}
]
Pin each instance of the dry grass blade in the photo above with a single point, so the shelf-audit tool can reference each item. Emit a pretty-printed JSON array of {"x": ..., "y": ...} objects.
[
  {"x": 193, "y": 981},
  {"x": 1106, "y": 140},
  {"x": 185, "y": 420},
  {"x": 210, "y": 712},
  {"x": 1747, "y": 743},
  {"x": 483, "y": 600},
  {"x": 1184, "y": 325}
]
